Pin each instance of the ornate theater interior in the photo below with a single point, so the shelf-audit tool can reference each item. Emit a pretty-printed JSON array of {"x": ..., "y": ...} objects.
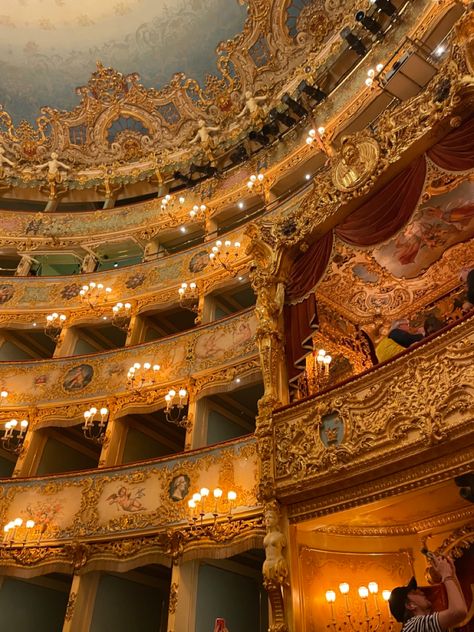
[{"x": 236, "y": 312}]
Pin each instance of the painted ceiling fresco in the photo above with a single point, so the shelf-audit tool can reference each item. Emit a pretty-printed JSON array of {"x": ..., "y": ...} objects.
[
  {"x": 424, "y": 258},
  {"x": 48, "y": 47}
]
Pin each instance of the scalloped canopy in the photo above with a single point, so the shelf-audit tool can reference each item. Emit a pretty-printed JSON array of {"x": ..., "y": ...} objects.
[{"x": 49, "y": 47}]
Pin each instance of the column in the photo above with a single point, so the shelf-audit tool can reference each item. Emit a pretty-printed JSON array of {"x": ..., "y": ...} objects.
[
  {"x": 183, "y": 596},
  {"x": 80, "y": 606},
  {"x": 115, "y": 436},
  {"x": 136, "y": 330},
  {"x": 30, "y": 455},
  {"x": 66, "y": 343},
  {"x": 197, "y": 436}
]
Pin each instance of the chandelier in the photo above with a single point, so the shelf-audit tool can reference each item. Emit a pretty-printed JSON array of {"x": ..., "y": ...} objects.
[
  {"x": 94, "y": 428},
  {"x": 225, "y": 254},
  {"x": 140, "y": 376},
  {"x": 372, "y": 619},
  {"x": 14, "y": 433},
  {"x": 54, "y": 325},
  {"x": 121, "y": 313},
  {"x": 94, "y": 293},
  {"x": 209, "y": 514},
  {"x": 176, "y": 403}
]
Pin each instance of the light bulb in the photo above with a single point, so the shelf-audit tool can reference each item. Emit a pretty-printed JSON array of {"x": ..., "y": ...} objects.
[
  {"x": 369, "y": 82},
  {"x": 344, "y": 588},
  {"x": 104, "y": 411},
  {"x": 182, "y": 392},
  {"x": 373, "y": 588},
  {"x": 156, "y": 367},
  {"x": 93, "y": 410},
  {"x": 181, "y": 291},
  {"x": 30, "y": 524},
  {"x": 196, "y": 497},
  {"x": 92, "y": 285},
  {"x": 181, "y": 200},
  {"x": 4, "y": 394},
  {"x": 24, "y": 423},
  {"x": 218, "y": 243},
  {"x": 231, "y": 495},
  {"x": 204, "y": 492},
  {"x": 137, "y": 365},
  {"x": 371, "y": 73},
  {"x": 87, "y": 414},
  {"x": 321, "y": 130},
  {"x": 386, "y": 594},
  {"x": 330, "y": 596},
  {"x": 191, "y": 504},
  {"x": 217, "y": 492},
  {"x": 18, "y": 522},
  {"x": 379, "y": 67},
  {"x": 128, "y": 305},
  {"x": 193, "y": 286},
  {"x": 13, "y": 423},
  {"x": 253, "y": 178},
  {"x": 312, "y": 133},
  {"x": 172, "y": 392},
  {"x": 363, "y": 592},
  {"x": 62, "y": 317},
  {"x": 321, "y": 352},
  {"x": 147, "y": 366},
  {"x": 227, "y": 243},
  {"x": 237, "y": 244},
  {"x": 260, "y": 176}
]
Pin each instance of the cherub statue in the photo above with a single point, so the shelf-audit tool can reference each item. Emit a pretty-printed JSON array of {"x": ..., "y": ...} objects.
[
  {"x": 205, "y": 138},
  {"x": 89, "y": 263},
  {"x": 54, "y": 174},
  {"x": 253, "y": 109},
  {"x": 4, "y": 159}
]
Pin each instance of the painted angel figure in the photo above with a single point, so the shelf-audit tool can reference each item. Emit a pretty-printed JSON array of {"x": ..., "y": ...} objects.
[
  {"x": 125, "y": 501},
  {"x": 253, "y": 109},
  {"x": 205, "y": 138},
  {"x": 54, "y": 175}
]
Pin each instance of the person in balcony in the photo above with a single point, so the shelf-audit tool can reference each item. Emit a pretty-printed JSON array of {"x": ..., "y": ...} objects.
[
  {"x": 411, "y": 607},
  {"x": 467, "y": 275},
  {"x": 400, "y": 337}
]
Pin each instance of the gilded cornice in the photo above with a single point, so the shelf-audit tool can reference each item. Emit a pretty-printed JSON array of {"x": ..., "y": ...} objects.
[
  {"x": 159, "y": 154},
  {"x": 411, "y": 408},
  {"x": 195, "y": 353}
]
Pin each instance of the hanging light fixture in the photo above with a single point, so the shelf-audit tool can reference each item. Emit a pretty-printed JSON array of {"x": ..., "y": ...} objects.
[
  {"x": 94, "y": 427},
  {"x": 176, "y": 403},
  {"x": 54, "y": 325},
  {"x": 94, "y": 293},
  {"x": 14, "y": 433}
]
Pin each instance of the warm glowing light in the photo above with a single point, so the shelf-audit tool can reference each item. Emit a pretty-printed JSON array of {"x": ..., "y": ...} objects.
[
  {"x": 30, "y": 524},
  {"x": 363, "y": 592},
  {"x": 197, "y": 497},
  {"x": 231, "y": 495},
  {"x": 330, "y": 596},
  {"x": 344, "y": 588},
  {"x": 386, "y": 594},
  {"x": 217, "y": 492},
  {"x": 204, "y": 492},
  {"x": 373, "y": 588}
]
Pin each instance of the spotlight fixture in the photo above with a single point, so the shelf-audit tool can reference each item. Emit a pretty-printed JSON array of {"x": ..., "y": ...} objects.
[
  {"x": 294, "y": 106},
  {"x": 354, "y": 42},
  {"x": 369, "y": 23},
  {"x": 385, "y": 6},
  {"x": 281, "y": 117},
  {"x": 466, "y": 484},
  {"x": 314, "y": 92}
]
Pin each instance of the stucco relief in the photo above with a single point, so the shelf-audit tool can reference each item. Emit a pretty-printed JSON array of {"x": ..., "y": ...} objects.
[
  {"x": 104, "y": 374},
  {"x": 136, "y": 497}
]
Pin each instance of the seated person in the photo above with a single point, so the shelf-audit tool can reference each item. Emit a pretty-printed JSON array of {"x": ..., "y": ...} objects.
[
  {"x": 433, "y": 324},
  {"x": 400, "y": 337},
  {"x": 467, "y": 275}
]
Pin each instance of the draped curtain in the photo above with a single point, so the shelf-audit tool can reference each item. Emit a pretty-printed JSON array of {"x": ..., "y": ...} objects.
[{"x": 455, "y": 152}]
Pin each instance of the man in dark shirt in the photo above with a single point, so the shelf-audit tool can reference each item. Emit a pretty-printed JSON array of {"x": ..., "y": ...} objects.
[{"x": 410, "y": 606}]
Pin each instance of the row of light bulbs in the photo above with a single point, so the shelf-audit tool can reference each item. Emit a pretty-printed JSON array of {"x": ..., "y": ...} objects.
[{"x": 363, "y": 591}]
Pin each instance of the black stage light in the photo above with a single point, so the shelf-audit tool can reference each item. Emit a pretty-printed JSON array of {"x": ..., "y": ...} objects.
[
  {"x": 355, "y": 43},
  {"x": 312, "y": 91},
  {"x": 259, "y": 137},
  {"x": 206, "y": 170},
  {"x": 177, "y": 175},
  {"x": 466, "y": 483},
  {"x": 386, "y": 7},
  {"x": 369, "y": 23},
  {"x": 239, "y": 155},
  {"x": 282, "y": 117},
  {"x": 294, "y": 106}
]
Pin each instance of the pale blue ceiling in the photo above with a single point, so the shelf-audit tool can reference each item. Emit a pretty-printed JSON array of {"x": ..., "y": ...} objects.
[{"x": 48, "y": 47}]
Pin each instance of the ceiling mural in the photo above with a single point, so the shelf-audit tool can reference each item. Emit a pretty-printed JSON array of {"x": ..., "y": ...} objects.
[{"x": 48, "y": 47}]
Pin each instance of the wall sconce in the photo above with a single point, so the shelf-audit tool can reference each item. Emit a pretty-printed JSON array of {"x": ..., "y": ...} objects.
[
  {"x": 17, "y": 532},
  {"x": 139, "y": 375},
  {"x": 256, "y": 181},
  {"x": 225, "y": 254},
  {"x": 14, "y": 435},
  {"x": 216, "y": 507},
  {"x": 321, "y": 364},
  {"x": 54, "y": 325},
  {"x": 121, "y": 313},
  {"x": 189, "y": 298},
  {"x": 198, "y": 211},
  {"x": 94, "y": 429},
  {"x": 94, "y": 293},
  {"x": 174, "y": 410},
  {"x": 372, "y": 616}
]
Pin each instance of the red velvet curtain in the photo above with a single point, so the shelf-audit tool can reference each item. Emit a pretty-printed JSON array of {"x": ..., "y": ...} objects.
[
  {"x": 376, "y": 220},
  {"x": 456, "y": 151},
  {"x": 388, "y": 210}
]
